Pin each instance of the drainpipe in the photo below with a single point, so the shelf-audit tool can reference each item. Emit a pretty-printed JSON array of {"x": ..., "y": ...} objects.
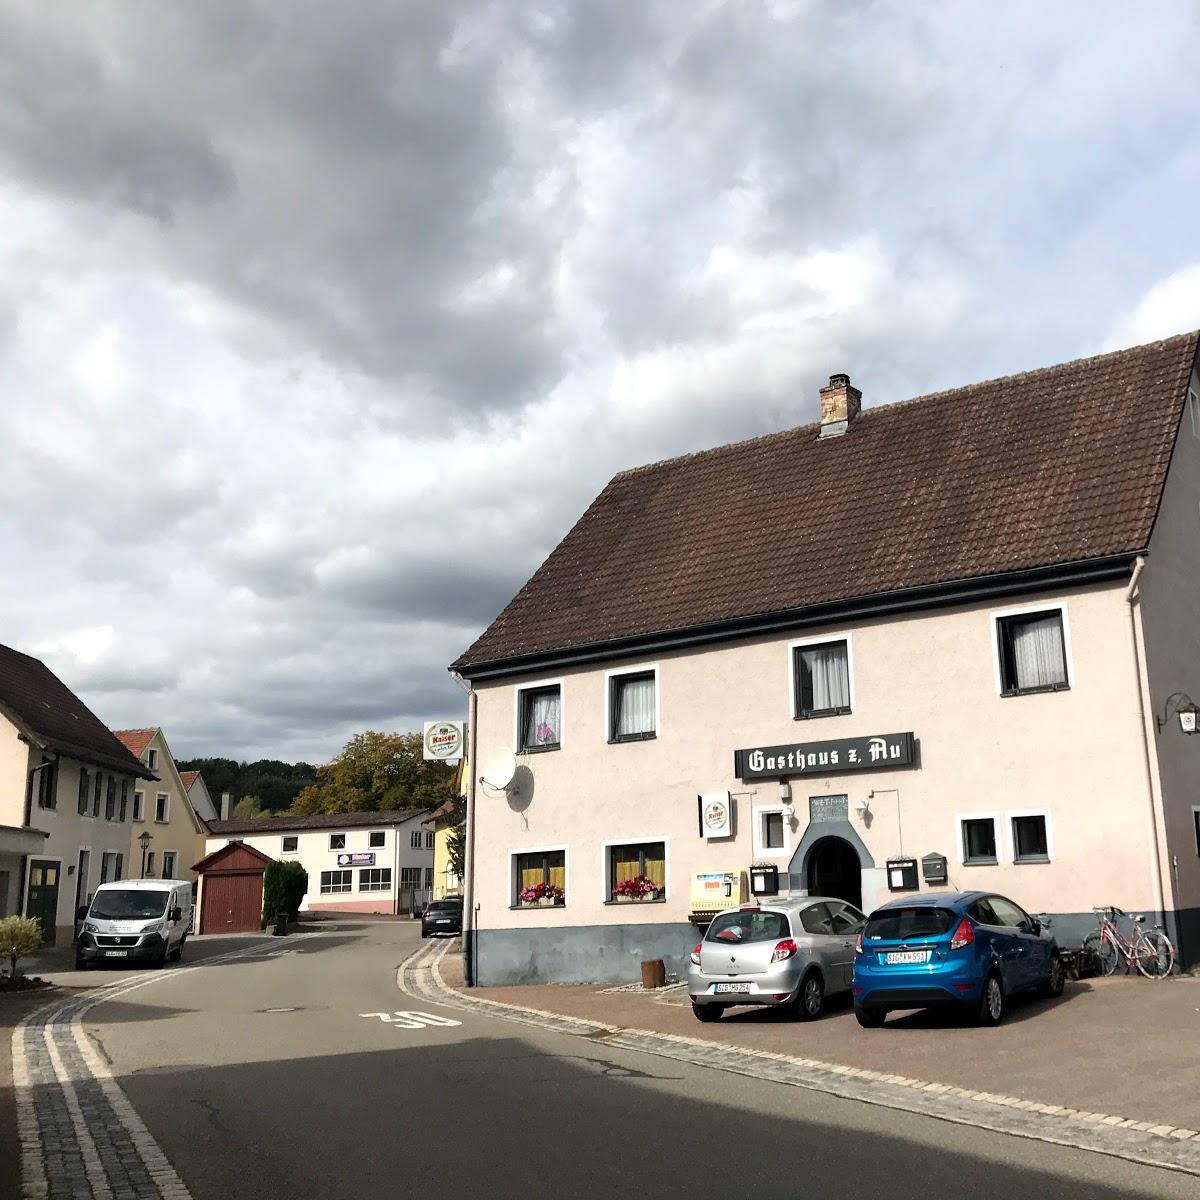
[
  {"x": 468, "y": 922},
  {"x": 1131, "y": 599}
]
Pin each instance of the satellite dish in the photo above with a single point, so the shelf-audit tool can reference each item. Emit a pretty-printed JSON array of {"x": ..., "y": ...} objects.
[{"x": 499, "y": 770}]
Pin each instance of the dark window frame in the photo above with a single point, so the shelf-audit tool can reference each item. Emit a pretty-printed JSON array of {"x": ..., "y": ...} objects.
[
  {"x": 340, "y": 845},
  {"x": 1196, "y": 824},
  {"x": 139, "y": 810},
  {"x": 615, "y": 685},
  {"x": 123, "y": 801},
  {"x": 1004, "y": 648},
  {"x": 975, "y": 860},
  {"x": 97, "y": 795},
  {"x": 284, "y": 838},
  {"x": 641, "y": 847},
  {"x": 375, "y": 879},
  {"x": 47, "y": 784},
  {"x": 110, "y": 798},
  {"x": 545, "y": 855},
  {"x": 337, "y": 887},
  {"x": 85, "y": 787},
  {"x": 527, "y": 695},
  {"x": 766, "y": 819},
  {"x": 802, "y": 712},
  {"x": 372, "y": 835},
  {"x": 165, "y": 797},
  {"x": 1041, "y": 856}
]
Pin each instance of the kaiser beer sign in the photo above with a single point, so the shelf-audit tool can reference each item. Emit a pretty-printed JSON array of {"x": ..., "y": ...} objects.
[{"x": 444, "y": 740}]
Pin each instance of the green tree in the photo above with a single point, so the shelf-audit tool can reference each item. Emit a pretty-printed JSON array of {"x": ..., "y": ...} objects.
[
  {"x": 284, "y": 885},
  {"x": 456, "y": 841},
  {"x": 275, "y": 783},
  {"x": 376, "y": 772},
  {"x": 19, "y": 936},
  {"x": 247, "y": 808}
]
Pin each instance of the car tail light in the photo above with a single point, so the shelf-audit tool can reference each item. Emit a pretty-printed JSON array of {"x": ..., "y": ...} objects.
[
  {"x": 696, "y": 955},
  {"x": 858, "y": 944},
  {"x": 783, "y": 950},
  {"x": 964, "y": 935}
]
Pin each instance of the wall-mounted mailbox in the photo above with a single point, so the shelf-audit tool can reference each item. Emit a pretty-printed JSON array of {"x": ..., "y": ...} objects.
[
  {"x": 764, "y": 881},
  {"x": 933, "y": 868},
  {"x": 902, "y": 875}
]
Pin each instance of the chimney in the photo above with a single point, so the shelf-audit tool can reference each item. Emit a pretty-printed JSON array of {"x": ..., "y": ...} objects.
[
  {"x": 839, "y": 405},
  {"x": 226, "y": 798}
]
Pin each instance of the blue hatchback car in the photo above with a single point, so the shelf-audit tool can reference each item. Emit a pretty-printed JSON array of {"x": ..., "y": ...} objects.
[{"x": 963, "y": 950}]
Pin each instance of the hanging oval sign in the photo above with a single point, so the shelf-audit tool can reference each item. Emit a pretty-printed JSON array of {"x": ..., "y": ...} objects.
[{"x": 443, "y": 739}]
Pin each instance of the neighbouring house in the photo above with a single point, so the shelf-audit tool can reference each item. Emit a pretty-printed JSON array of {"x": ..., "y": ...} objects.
[
  {"x": 444, "y": 819},
  {"x": 197, "y": 792},
  {"x": 66, "y": 789},
  {"x": 942, "y": 643},
  {"x": 163, "y": 810},
  {"x": 367, "y": 862}
]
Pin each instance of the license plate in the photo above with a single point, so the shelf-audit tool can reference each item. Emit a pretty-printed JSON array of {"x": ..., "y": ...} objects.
[
  {"x": 742, "y": 988},
  {"x": 445, "y": 922},
  {"x": 895, "y": 957},
  {"x": 116, "y": 953}
]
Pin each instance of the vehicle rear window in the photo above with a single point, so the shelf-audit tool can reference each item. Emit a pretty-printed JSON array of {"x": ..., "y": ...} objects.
[
  {"x": 444, "y": 906},
  {"x": 896, "y": 924},
  {"x": 739, "y": 928}
]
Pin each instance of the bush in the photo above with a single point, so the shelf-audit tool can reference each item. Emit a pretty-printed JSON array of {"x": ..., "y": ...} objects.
[
  {"x": 284, "y": 885},
  {"x": 19, "y": 936}
]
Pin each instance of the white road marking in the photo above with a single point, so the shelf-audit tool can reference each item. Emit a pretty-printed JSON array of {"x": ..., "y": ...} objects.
[{"x": 404, "y": 1019}]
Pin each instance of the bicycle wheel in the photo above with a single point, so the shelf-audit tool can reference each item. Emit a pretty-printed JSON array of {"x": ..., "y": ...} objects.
[
  {"x": 1155, "y": 954},
  {"x": 1104, "y": 950}
]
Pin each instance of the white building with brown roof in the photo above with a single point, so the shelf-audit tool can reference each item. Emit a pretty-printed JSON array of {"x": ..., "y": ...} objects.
[
  {"x": 366, "y": 862},
  {"x": 942, "y": 643}
]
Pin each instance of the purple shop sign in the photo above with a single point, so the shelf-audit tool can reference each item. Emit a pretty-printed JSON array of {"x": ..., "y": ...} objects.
[{"x": 356, "y": 860}]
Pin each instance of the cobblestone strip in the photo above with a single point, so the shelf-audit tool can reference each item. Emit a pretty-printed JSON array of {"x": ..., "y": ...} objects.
[
  {"x": 81, "y": 1139},
  {"x": 1144, "y": 1142}
]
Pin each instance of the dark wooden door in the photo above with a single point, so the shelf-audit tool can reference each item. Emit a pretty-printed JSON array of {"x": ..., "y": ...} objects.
[
  {"x": 43, "y": 896},
  {"x": 231, "y": 903}
]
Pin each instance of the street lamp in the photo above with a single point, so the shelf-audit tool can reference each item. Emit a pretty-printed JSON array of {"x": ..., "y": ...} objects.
[
  {"x": 144, "y": 841},
  {"x": 1184, "y": 708}
]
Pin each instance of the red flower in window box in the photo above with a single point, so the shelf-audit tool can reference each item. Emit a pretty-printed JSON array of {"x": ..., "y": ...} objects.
[{"x": 637, "y": 888}]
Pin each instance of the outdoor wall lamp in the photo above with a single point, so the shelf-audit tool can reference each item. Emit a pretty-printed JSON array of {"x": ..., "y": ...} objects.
[
  {"x": 785, "y": 793},
  {"x": 1184, "y": 708},
  {"x": 862, "y": 806}
]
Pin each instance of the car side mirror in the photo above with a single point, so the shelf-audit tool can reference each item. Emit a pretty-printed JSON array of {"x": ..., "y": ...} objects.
[
  {"x": 176, "y": 915},
  {"x": 81, "y": 912}
]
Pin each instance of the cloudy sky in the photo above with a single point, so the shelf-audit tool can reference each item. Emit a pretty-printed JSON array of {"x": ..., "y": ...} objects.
[{"x": 321, "y": 323}]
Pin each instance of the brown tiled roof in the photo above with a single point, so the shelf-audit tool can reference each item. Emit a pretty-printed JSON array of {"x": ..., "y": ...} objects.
[
  {"x": 136, "y": 740},
  {"x": 187, "y": 778},
  {"x": 37, "y": 698},
  {"x": 290, "y": 823},
  {"x": 1056, "y": 466}
]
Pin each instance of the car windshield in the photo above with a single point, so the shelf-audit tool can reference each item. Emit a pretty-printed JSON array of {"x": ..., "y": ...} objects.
[
  {"x": 739, "y": 928},
  {"x": 896, "y": 924},
  {"x": 136, "y": 904}
]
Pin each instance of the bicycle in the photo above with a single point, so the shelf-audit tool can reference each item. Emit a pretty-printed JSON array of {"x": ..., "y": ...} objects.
[{"x": 1149, "y": 950}]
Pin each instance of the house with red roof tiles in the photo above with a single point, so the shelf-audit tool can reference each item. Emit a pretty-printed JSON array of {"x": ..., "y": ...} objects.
[
  {"x": 945, "y": 643},
  {"x": 66, "y": 787},
  {"x": 166, "y": 834}
]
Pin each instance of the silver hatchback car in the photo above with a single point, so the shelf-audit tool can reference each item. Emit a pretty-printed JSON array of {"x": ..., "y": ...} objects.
[{"x": 787, "y": 953}]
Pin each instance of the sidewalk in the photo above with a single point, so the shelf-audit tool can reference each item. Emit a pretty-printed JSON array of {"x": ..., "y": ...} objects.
[{"x": 1124, "y": 1046}]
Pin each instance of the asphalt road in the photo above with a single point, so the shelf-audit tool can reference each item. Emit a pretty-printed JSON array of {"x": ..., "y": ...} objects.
[{"x": 279, "y": 1079}]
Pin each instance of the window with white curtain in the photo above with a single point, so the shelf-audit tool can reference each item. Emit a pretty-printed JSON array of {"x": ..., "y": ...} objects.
[
  {"x": 822, "y": 674},
  {"x": 632, "y": 707},
  {"x": 1033, "y": 654},
  {"x": 541, "y": 718}
]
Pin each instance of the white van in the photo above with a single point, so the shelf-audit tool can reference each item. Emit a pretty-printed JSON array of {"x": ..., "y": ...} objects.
[{"x": 143, "y": 920}]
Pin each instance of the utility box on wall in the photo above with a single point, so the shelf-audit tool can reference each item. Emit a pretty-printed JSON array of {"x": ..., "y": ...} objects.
[
  {"x": 764, "y": 880},
  {"x": 902, "y": 875},
  {"x": 933, "y": 868}
]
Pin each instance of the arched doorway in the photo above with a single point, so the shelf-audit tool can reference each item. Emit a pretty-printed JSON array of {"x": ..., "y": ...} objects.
[{"x": 834, "y": 869}]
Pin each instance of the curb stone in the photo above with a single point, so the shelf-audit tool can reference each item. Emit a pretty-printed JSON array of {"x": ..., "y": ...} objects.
[{"x": 1166, "y": 1146}]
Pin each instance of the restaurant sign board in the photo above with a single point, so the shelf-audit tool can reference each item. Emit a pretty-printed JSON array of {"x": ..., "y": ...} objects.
[{"x": 872, "y": 753}]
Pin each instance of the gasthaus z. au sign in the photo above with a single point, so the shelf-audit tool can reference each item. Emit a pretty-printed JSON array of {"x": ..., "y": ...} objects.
[{"x": 873, "y": 753}]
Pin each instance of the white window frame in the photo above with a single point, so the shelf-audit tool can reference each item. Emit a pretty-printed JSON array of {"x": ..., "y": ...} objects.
[
  {"x": 152, "y": 759},
  {"x": 823, "y": 640},
  {"x": 139, "y": 810},
  {"x": 1026, "y": 610},
  {"x": 341, "y": 891},
  {"x": 374, "y": 887},
  {"x": 331, "y": 846},
  {"x": 1011, "y": 816},
  {"x": 284, "y": 849},
  {"x": 512, "y": 871},
  {"x": 533, "y": 686},
  {"x": 609, "y": 733},
  {"x": 606, "y": 847},
  {"x": 166, "y": 817},
  {"x": 761, "y": 850},
  {"x": 372, "y": 834},
  {"x": 998, "y": 824},
  {"x": 415, "y": 839},
  {"x": 174, "y": 856}
]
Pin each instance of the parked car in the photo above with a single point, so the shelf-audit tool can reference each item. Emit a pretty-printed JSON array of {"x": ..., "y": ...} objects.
[
  {"x": 442, "y": 916},
  {"x": 789, "y": 953},
  {"x": 139, "y": 920},
  {"x": 962, "y": 950}
]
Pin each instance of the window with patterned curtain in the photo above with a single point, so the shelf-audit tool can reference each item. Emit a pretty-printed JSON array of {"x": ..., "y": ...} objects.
[
  {"x": 1032, "y": 652},
  {"x": 637, "y": 871},
  {"x": 632, "y": 705},
  {"x": 822, "y": 679},
  {"x": 541, "y": 718}
]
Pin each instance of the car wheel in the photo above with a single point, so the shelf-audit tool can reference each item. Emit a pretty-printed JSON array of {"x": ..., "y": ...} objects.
[
  {"x": 707, "y": 1012},
  {"x": 811, "y": 997},
  {"x": 1052, "y": 985},
  {"x": 81, "y": 964},
  {"x": 177, "y": 954},
  {"x": 424, "y": 934},
  {"x": 161, "y": 959},
  {"x": 869, "y": 1018},
  {"x": 991, "y": 1002}
]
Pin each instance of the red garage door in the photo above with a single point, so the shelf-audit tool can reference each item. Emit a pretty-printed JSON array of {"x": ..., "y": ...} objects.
[{"x": 231, "y": 903}]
